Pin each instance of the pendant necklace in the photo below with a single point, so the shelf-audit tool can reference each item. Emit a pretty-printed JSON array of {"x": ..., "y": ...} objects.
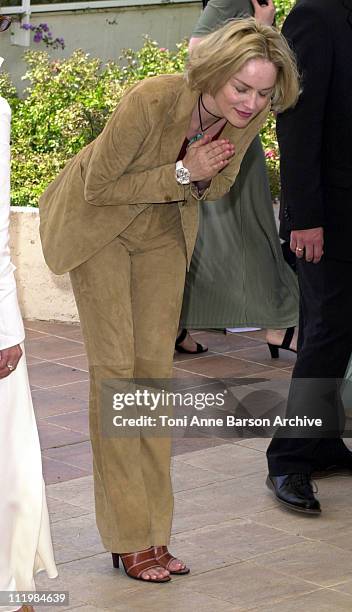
[{"x": 203, "y": 130}]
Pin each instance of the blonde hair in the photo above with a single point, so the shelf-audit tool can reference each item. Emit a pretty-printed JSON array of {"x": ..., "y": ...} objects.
[{"x": 219, "y": 55}]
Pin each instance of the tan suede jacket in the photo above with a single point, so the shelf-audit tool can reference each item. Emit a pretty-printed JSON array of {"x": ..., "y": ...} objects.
[{"x": 130, "y": 166}]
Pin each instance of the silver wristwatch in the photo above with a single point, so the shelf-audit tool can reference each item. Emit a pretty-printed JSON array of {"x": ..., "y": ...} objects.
[{"x": 183, "y": 176}]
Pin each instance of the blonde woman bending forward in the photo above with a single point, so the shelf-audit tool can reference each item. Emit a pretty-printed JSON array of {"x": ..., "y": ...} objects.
[{"x": 122, "y": 217}]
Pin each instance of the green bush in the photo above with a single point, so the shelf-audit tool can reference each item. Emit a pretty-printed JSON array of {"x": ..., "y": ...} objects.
[
  {"x": 283, "y": 7},
  {"x": 67, "y": 103},
  {"x": 268, "y": 133}
]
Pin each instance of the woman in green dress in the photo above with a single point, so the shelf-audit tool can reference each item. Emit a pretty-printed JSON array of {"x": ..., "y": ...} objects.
[{"x": 238, "y": 277}]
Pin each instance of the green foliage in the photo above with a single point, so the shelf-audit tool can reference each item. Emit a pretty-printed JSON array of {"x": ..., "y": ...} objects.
[
  {"x": 268, "y": 133},
  {"x": 283, "y": 7},
  {"x": 268, "y": 137},
  {"x": 152, "y": 60},
  {"x": 7, "y": 89},
  {"x": 67, "y": 103}
]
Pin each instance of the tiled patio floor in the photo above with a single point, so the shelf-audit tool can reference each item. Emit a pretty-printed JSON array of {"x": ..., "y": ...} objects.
[{"x": 245, "y": 552}]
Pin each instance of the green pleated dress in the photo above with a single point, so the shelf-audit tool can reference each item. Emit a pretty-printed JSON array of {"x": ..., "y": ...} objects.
[{"x": 238, "y": 277}]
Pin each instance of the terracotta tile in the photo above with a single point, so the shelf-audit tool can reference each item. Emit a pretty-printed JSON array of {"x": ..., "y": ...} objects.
[
  {"x": 260, "y": 444},
  {"x": 32, "y": 334},
  {"x": 260, "y": 354},
  {"x": 186, "y": 477},
  {"x": 342, "y": 540},
  {"x": 189, "y": 515},
  {"x": 75, "y": 421},
  {"x": 200, "y": 559},
  {"x": 232, "y": 460},
  {"x": 53, "y": 436},
  {"x": 78, "y": 492},
  {"x": 79, "y": 455},
  {"x": 318, "y": 562},
  {"x": 223, "y": 511},
  {"x": 79, "y": 533},
  {"x": 186, "y": 377},
  {"x": 324, "y": 600},
  {"x": 49, "y": 402},
  {"x": 333, "y": 520},
  {"x": 247, "y": 586},
  {"x": 240, "y": 537},
  {"x": 220, "y": 366},
  {"x": 61, "y": 510},
  {"x": 344, "y": 587},
  {"x": 272, "y": 374},
  {"x": 255, "y": 335},
  {"x": 49, "y": 374},
  {"x": 180, "y": 358},
  {"x": 222, "y": 343},
  {"x": 57, "y": 471},
  {"x": 186, "y": 445},
  {"x": 55, "y": 328},
  {"x": 177, "y": 597},
  {"x": 278, "y": 377},
  {"x": 94, "y": 584},
  {"x": 34, "y": 387},
  {"x": 79, "y": 362},
  {"x": 53, "y": 348},
  {"x": 76, "y": 390},
  {"x": 236, "y": 496},
  {"x": 63, "y": 555},
  {"x": 33, "y": 360},
  {"x": 73, "y": 332}
]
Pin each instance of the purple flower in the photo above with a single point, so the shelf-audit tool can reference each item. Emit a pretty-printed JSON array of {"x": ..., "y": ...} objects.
[
  {"x": 42, "y": 33},
  {"x": 38, "y": 37}
]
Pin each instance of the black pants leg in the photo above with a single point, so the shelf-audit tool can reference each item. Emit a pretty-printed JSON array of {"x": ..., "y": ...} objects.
[{"x": 324, "y": 349}]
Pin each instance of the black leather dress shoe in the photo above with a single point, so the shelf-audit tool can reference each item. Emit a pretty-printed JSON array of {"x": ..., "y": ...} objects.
[
  {"x": 335, "y": 461},
  {"x": 295, "y": 492}
]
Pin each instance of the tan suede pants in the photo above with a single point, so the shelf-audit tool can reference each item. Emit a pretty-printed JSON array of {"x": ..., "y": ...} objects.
[{"x": 129, "y": 297}]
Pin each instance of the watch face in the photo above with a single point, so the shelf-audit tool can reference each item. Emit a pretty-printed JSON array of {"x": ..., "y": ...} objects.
[{"x": 183, "y": 176}]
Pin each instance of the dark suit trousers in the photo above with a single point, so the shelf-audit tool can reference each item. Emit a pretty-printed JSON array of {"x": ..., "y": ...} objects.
[{"x": 324, "y": 349}]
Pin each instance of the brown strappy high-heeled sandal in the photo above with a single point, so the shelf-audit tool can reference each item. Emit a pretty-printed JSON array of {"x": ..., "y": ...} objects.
[
  {"x": 135, "y": 564},
  {"x": 164, "y": 559}
]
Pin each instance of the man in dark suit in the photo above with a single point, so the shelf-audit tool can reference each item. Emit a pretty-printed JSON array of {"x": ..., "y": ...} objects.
[{"x": 315, "y": 140}]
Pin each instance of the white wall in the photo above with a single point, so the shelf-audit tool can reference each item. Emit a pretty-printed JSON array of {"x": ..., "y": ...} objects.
[
  {"x": 91, "y": 31},
  {"x": 42, "y": 295}
]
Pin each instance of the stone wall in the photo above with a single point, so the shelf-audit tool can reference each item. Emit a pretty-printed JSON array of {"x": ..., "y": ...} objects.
[{"x": 42, "y": 295}]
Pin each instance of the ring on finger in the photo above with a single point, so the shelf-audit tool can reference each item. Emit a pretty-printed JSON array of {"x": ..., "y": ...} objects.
[
  {"x": 299, "y": 249},
  {"x": 10, "y": 366}
]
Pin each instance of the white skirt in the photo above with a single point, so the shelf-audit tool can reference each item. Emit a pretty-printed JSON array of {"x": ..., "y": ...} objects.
[{"x": 25, "y": 540}]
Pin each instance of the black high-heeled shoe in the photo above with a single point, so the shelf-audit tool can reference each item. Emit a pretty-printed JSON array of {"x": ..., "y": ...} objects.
[
  {"x": 285, "y": 344},
  {"x": 181, "y": 349}
]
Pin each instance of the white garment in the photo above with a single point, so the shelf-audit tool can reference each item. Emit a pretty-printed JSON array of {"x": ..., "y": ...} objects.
[
  {"x": 11, "y": 326},
  {"x": 25, "y": 541}
]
